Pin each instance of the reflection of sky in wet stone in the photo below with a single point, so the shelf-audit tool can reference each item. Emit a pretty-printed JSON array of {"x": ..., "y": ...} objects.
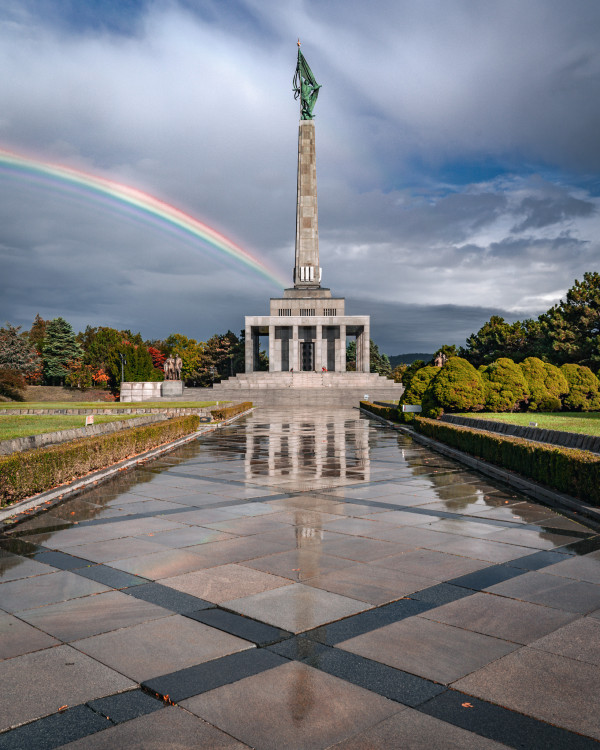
[{"x": 327, "y": 525}]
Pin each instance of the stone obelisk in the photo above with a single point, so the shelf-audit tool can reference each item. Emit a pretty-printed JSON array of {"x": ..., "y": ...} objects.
[{"x": 307, "y": 271}]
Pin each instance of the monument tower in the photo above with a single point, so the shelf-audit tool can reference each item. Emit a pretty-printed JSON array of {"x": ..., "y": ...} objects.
[{"x": 307, "y": 327}]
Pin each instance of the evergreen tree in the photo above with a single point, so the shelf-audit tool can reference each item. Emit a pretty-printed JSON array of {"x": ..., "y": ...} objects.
[
  {"x": 379, "y": 362},
  {"x": 60, "y": 348},
  {"x": 138, "y": 366},
  {"x": 16, "y": 352},
  {"x": 573, "y": 326},
  {"x": 495, "y": 339}
]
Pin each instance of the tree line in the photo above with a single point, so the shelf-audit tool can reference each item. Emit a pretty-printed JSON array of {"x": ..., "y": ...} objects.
[{"x": 51, "y": 353}]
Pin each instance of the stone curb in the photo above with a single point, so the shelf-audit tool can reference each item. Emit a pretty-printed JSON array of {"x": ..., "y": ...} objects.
[
  {"x": 24, "y": 508},
  {"x": 174, "y": 411},
  {"x": 569, "y": 506}
]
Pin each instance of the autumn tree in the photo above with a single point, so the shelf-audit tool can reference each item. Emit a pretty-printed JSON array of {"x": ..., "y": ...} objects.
[
  {"x": 37, "y": 333},
  {"x": 16, "y": 352}
]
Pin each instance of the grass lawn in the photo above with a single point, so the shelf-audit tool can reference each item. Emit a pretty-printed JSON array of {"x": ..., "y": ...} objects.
[
  {"x": 106, "y": 404},
  {"x": 22, "y": 425},
  {"x": 587, "y": 423}
]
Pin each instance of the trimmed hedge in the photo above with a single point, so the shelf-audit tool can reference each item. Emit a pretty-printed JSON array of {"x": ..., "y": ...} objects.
[
  {"x": 225, "y": 412},
  {"x": 567, "y": 470},
  {"x": 387, "y": 412},
  {"x": 27, "y": 473}
]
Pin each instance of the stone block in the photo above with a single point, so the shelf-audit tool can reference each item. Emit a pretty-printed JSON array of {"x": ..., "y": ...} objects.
[{"x": 171, "y": 388}]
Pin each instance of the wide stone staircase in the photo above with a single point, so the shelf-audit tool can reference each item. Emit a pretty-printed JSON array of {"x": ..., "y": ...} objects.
[{"x": 300, "y": 389}]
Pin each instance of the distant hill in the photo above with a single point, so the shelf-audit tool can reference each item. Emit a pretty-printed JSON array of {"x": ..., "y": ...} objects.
[{"x": 407, "y": 359}]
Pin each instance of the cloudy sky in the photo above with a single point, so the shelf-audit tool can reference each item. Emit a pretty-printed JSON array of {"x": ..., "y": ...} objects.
[{"x": 458, "y": 158}]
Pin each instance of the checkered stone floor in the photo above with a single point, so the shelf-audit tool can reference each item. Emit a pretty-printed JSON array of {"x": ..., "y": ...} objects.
[{"x": 300, "y": 581}]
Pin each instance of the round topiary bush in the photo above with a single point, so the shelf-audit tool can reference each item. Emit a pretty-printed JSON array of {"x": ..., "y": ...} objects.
[
  {"x": 419, "y": 383},
  {"x": 555, "y": 381},
  {"x": 505, "y": 386},
  {"x": 541, "y": 399},
  {"x": 584, "y": 389},
  {"x": 458, "y": 387}
]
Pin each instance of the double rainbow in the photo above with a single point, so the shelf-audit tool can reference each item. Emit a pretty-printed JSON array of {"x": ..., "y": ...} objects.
[{"x": 164, "y": 215}]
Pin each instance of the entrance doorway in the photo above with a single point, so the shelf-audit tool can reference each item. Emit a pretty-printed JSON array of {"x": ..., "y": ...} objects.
[{"x": 307, "y": 356}]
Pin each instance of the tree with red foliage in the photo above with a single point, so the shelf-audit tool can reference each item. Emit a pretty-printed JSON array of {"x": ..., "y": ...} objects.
[{"x": 158, "y": 358}]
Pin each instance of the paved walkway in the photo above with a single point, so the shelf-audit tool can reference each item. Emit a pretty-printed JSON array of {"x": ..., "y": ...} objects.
[{"x": 294, "y": 581}]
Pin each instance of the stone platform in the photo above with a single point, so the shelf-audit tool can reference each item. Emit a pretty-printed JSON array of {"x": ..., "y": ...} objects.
[
  {"x": 342, "y": 389},
  {"x": 300, "y": 579}
]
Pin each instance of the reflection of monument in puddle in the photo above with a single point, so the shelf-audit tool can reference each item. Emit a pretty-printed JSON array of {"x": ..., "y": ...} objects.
[{"x": 315, "y": 452}]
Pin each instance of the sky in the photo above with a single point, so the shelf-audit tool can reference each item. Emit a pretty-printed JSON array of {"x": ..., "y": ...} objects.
[{"x": 458, "y": 159}]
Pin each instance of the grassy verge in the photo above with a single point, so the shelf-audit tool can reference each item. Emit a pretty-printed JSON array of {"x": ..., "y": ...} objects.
[
  {"x": 27, "y": 473},
  {"x": 587, "y": 424},
  {"x": 23, "y": 425},
  {"x": 107, "y": 405}
]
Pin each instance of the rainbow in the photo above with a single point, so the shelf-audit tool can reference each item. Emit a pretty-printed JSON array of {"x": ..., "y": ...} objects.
[{"x": 161, "y": 214}]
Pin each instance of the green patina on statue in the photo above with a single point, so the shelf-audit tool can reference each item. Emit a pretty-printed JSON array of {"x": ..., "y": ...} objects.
[{"x": 306, "y": 87}]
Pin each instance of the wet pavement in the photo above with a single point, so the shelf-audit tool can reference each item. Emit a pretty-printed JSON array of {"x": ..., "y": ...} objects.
[{"x": 300, "y": 581}]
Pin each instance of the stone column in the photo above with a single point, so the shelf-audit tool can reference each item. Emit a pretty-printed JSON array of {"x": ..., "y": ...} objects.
[
  {"x": 341, "y": 352},
  {"x": 366, "y": 348},
  {"x": 248, "y": 350},
  {"x": 294, "y": 354},
  {"x": 272, "y": 347},
  {"x": 319, "y": 349},
  {"x": 307, "y": 272}
]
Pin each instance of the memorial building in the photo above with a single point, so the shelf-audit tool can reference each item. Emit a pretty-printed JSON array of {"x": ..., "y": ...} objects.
[{"x": 307, "y": 328}]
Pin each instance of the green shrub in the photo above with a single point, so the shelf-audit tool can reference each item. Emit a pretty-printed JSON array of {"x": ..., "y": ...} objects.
[
  {"x": 505, "y": 385},
  {"x": 541, "y": 398},
  {"x": 573, "y": 472},
  {"x": 419, "y": 382},
  {"x": 12, "y": 385},
  {"x": 225, "y": 412},
  {"x": 584, "y": 389},
  {"x": 387, "y": 412},
  {"x": 457, "y": 387},
  {"x": 555, "y": 381},
  {"x": 27, "y": 473},
  {"x": 410, "y": 372}
]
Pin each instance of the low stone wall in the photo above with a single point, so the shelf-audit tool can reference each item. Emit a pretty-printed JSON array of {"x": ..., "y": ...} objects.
[
  {"x": 201, "y": 411},
  {"x": 17, "y": 445},
  {"x": 553, "y": 437}
]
